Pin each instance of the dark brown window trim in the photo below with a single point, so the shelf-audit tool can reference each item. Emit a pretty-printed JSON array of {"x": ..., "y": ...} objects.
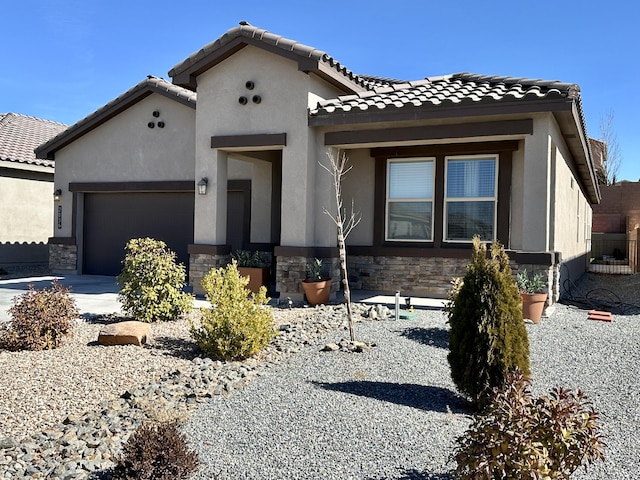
[
  {"x": 209, "y": 249},
  {"x": 164, "y": 186},
  {"x": 429, "y": 132},
  {"x": 504, "y": 150},
  {"x": 274, "y": 140}
]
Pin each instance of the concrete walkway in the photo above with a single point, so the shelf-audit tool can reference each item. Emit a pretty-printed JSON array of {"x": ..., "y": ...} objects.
[
  {"x": 94, "y": 294},
  {"x": 98, "y": 295}
]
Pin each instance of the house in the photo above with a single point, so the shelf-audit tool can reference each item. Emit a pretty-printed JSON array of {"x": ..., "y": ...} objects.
[
  {"x": 247, "y": 119},
  {"x": 26, "y": 189}
]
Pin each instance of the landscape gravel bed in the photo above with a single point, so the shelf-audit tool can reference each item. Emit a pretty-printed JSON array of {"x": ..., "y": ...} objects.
[{"x": 295, "y": 411}]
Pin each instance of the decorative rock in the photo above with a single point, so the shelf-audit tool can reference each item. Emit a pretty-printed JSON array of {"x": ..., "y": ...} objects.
[
  {"x": 124, "y": 333},
  {"x": 330, "y": 347},
  {"x": 7, "y": 442}
]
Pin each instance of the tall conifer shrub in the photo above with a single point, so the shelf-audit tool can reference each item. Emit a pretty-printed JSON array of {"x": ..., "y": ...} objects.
[{"x": 488, "y": 337}]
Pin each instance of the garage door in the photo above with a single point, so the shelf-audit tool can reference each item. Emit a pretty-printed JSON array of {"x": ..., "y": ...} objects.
[{"x": 111, "y": 219}]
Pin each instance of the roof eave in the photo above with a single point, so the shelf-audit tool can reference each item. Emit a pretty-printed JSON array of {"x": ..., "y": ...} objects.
[
  {"x": 107, "y": 112},
  {"x": 186, "y": 76}
]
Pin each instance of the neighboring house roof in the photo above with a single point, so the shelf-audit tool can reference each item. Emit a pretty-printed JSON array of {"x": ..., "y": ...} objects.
[
  {"x": 465, "y": 95},
  {"x": 21, "y": 134},
  {"x": 309, "y": 59},
  {"x": 132, "y": 96}
]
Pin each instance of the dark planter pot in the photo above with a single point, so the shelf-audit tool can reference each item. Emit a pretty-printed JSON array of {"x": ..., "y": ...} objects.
[
  {"x": 258, "y": 277},
  {"x": 533, "y": 305},
  {"x": 317, "y": 293}
]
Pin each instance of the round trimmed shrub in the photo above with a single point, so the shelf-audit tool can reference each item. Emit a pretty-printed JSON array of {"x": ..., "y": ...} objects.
[
  {"x": 151, "y": 283},
  {"x": 240, "y": 323},
  {"x": 488, "y": 337}
]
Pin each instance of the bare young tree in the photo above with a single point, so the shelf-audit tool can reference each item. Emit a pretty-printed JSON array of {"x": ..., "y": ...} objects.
[
  {"x": 612, "y": 156},
  {"x": 338, "y": 167}
]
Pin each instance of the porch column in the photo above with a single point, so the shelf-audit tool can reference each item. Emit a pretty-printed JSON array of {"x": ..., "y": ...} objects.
[{"x": 210, "y": 220}]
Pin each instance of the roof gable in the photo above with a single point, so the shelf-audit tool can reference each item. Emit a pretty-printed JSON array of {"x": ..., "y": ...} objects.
[
  {"x": 21, "y": 134},
  {"x": 309, "y": 59},
  {"x": 132, "y": 96}
]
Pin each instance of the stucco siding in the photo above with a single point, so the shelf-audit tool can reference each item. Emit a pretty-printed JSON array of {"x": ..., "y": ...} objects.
[
  {"x": 125, "y": 149},
  {"x": 284, "y": 95},
  {"x": 572, "y": 212},
  {"x": 358, "y": 186}
]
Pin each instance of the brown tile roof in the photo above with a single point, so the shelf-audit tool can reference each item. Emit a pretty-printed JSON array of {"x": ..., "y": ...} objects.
[
  {"x": 457, "y": 89},
  {"x": 21, "y": 134},
  {"x": 146, "y": 87},
  {"x": 229, "y": 42}
]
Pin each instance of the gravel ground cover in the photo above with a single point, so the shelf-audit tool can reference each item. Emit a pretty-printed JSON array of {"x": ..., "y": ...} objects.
[{"x": 391, "y": 412}]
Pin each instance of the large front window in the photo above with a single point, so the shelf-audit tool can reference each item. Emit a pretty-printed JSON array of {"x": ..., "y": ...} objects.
[
  {"x": 470, "y": 198},
  {"x": 409, "y": 212}
]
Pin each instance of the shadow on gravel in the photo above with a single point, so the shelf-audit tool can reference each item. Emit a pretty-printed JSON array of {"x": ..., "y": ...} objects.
[
  {"x": 423, "y": 397},
  {"x": 413, "y": 474},
  {"x": 176, "y": 347},
  {"x": 435, "y": 337}
]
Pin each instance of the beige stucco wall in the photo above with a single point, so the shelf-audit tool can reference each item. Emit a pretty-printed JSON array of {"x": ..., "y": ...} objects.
[
  {"x": 572, "y": 213},
  {"x": 27, "y": 204},
  {"x": 125, "y": 149},
  {"x": 284, "y": 92},
  {"x": 358, "y": 186}
]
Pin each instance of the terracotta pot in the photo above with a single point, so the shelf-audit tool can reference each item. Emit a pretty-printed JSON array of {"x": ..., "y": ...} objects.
[
  {"x": 317, "y": 293},
  {"x": 533, "y": 305},
  {"x": 258, "y": 277}
]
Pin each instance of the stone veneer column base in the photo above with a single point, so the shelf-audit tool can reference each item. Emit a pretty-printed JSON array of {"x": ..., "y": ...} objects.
[
  {"x": 63, "y": 257},
  {"x": 291, "y": 269},
  {"x": 200, "y": 264}
]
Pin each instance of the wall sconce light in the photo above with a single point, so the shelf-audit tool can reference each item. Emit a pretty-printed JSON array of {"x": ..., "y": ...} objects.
[
  {"x": 202, "y": 186},
  {"x": 57, "y": 194}
]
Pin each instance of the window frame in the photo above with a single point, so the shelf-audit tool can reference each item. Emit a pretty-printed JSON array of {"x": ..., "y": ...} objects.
[
  {"x": 446, "y": 200},
  {"x": 388, "y": 200}
]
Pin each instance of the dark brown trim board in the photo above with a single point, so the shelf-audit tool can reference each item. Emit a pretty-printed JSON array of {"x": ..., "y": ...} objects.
[
  {"x": 429, "y": 132},
  {"x": 307, "y": 252},
  {"x": 163, "y": 186},
  {"x": 61, "y": 241},
  {"x": 273, "y": 140},
  {"x": 209, "y": 249}
]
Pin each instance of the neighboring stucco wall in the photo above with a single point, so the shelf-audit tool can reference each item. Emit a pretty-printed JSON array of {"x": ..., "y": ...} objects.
[
  {"x": 125, "y": 149},
  {"x": 27, "y": 205},
  {"x": 285, "y": 93}
]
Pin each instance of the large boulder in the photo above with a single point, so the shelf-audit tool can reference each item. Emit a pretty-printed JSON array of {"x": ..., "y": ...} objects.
[{"x": 124, "y": 333}]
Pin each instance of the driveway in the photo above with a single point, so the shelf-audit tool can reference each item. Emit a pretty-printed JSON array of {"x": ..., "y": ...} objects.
[{"x": 94, "y": 294}]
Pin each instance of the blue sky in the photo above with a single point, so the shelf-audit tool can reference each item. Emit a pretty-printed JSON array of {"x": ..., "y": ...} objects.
[{"x": 63, "y": 59}]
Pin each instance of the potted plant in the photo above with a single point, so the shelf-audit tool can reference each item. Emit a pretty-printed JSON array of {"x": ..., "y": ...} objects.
[
  {"x": 532, "y": 290},
  {"x": 253, "y": 265},
  {"x": 317, "y": 287}
]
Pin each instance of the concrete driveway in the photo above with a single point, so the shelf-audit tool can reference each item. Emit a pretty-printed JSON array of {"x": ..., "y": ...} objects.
[{"x": 94, "y": 294}]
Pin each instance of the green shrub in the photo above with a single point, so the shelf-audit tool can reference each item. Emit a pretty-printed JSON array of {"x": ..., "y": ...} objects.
[
  {"x": 239, "y": 323},
  {"x": 151, "y": 282},
  {"x": 524, "y": 437},
  {"x": 156, "y": 451},
  {"x": 40, "y": 319},
  {"x": 488, "y": 337}
]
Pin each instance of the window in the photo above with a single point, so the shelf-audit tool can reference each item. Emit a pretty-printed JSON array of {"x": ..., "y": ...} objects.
[
  {"x": 409, "y": 212},
  {"x": 470, "y": 198}
]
